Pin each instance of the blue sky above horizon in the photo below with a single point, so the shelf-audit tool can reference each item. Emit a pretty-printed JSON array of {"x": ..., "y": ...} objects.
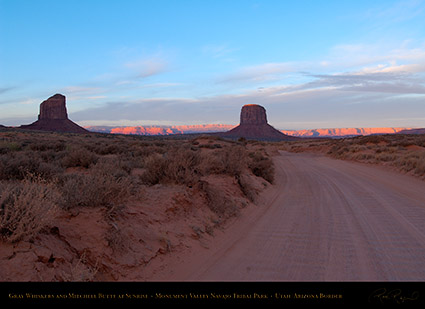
[{"x": 311, "y": 64}]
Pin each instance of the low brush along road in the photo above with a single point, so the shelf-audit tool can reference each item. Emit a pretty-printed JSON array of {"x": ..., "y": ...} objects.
[{"x": 324, "y": 220}]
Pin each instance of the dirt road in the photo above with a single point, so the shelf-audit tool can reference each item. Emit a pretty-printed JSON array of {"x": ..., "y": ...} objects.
[{"x": 324, "y": 220}]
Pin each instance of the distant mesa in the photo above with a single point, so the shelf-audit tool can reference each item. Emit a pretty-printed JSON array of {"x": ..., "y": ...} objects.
[
  {"x": 163, "y": 129},
  {"x": 54, "y": 117},
  {"x": 413, "y": 131},
  {"x": 254, "y": 125},
  {"x": 343, "y": 132}
]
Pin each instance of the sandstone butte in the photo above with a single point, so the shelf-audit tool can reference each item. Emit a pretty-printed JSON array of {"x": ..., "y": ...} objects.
[
  {"x": 54, "y": 117},
  {"x": 254, "y": 125}
]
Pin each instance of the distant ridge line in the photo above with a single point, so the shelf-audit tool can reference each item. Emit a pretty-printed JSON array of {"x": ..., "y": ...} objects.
[{"x": 213, "y": 128}]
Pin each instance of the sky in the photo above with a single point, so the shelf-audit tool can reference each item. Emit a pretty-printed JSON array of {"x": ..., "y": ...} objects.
[{"x": 311, "y": 64}]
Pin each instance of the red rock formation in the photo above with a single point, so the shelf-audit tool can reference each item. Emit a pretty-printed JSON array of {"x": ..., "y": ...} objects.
[
  {"x": 253, "y": 125},
  {"x": 53, "y": 108},
  {"x": 253, "y": 114},
  {"x": 53, "y": 117},
  {"x": 163, "y": 130}
]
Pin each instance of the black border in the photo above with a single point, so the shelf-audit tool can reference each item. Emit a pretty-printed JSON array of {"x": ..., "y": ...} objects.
[{"x": 213, "y": 293}]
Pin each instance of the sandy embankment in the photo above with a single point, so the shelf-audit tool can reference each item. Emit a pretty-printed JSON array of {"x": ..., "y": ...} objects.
[{"x": 128, "y": 242}]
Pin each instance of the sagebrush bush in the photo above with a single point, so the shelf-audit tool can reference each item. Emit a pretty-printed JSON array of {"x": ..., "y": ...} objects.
[
  {"x": 79, "y": 157},
  {"x": 218, "y": 202},
  {"x": 155, "y": 165},
  {"x": 93, "y": 190},
  {"x": 261, "y": 166},
  {"x": 179, "y": 165},
  {"x": 182, "y": 166},
  {"x": 18, "y": 166},
  {"x": 227, "y": 160},
  {"x": 26, "y": 207}
]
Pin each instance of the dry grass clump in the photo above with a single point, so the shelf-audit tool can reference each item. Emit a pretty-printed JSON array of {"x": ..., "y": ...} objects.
[{"x": 26, "y": 207}]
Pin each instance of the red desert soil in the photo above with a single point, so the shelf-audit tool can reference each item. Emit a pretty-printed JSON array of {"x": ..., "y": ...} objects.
[{"x": 324, "y": 220}]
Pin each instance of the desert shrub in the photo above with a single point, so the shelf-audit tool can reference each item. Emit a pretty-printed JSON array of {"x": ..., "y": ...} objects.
[
  {"x": 246, "y": 187},
  {"x": 19, "y": 165},
  {"x": 342, "y": 151},
  {"x": 95, "y": 189},
  {"x": 212, "y": 163},
  {"x": 406, "y": 163},
  {"x": 420, "y": 167},
  {"x": 6, "y": 147},
  {"x": 107, "y": 148},
  {"x": 179, "y": 165},
  {"x": 217, "y": 201},
  {"x": 210, "y": 146},
  {"x": 333, "y": 150},
  {"x": 227, "y": 160},
  {"x": 79, "y": 157},
  {"x": 386, "y": 157},
  {"x": 155, "y": 165},
  {"x": 26, "y": 208},
  {"x": 234, "y": 160},
  {"x": 114, "y": 166},
  {"x": 182, "y": 166},
  {"x": 48, "y": 145},
  {"x": 261, "y": 166},
  {"x": 16, "y": 166}
]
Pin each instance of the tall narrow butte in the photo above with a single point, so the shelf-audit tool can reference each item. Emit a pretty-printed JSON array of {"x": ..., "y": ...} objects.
[
  {"x": 53, "y": 108},
  {"x": 54, "y": 117}
]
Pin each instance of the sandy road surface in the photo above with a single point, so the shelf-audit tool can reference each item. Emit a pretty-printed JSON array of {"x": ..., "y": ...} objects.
[{"x": 325, "y": 220}]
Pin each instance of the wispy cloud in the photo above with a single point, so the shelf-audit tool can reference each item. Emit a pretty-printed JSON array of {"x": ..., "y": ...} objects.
[
  {"x": 219, "y": 51},
  {"x": 6, "y": 89},
  {"x": 258, "y": 73},
  {"x": 75, "y": 90},
  {"x": 398, "y": 12},
  {"x": 147, "y": 67}
]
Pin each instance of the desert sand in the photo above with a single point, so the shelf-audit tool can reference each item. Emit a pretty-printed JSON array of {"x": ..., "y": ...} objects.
[{"x": 324, "y": 220}]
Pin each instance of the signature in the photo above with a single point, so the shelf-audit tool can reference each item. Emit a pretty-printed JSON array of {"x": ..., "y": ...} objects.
[{"x": 396, "y": 295}]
